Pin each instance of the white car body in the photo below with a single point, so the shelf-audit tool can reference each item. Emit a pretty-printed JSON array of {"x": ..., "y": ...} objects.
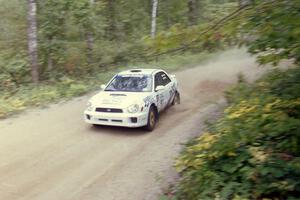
[{"x": 131, "y": 109}]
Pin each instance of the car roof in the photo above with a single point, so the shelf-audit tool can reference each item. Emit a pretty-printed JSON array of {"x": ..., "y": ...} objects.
[{"x": 139, "y": 71}]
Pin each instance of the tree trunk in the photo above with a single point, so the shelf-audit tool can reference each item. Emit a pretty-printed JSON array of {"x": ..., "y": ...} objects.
[
  {"x": 50, "y": 63},
  {"x": 243, "y": 3},
  {"x": 49, "y": 56},
  {"x": 32, "y": 40},
  {"x": 90, "y": 42},
  {"x": 111, "y": 19},
  {"x": 193, "y": 12},
  {"x": 154, "y": 15}
]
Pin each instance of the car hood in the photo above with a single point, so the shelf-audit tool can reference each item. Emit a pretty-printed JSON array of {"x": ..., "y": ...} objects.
[{"x": 117, "y": 99}]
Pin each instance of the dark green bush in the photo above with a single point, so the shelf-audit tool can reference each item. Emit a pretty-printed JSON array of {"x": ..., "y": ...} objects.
[{"x": 253, "y": 152}]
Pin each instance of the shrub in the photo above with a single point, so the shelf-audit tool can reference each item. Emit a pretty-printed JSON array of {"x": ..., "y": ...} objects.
[{"x": 253, "y": 152}]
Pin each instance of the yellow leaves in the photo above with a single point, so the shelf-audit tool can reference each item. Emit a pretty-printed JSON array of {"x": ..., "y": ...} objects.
[
  {"x": 208, "y": 137},
  {"x": 188, "y": 162},
  {"x": 252, "y": 106},
  {"x": 2, "y": 114},
  {"x": 238, "y": 197},
  {"x": 269, "y": 107},
  {"x": 296, "y": 102},
  {"x": 196, "y": 155},
  {"x": 263, "y": 84},
  {"x": 258, "y": 154},
  {"x": 213, "y": 155},
  {"x": 231, "y": 154},
  {"x": 243, "y": 109},
  {"x": 205, "y": 142},
  {"x": 197, "y": 162},
  {"x": 18, "y": 104},
  {"x": 9, "y": 105}
]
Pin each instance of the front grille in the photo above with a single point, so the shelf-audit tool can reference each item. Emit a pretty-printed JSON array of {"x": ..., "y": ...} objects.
[
  {"x": 109, "y": 110},
  {"x": 116, "y": 120},
  {"x": 105, "y": 120}
]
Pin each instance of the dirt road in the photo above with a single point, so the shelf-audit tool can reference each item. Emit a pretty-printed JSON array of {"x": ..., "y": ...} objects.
[{"x": 51, "y": 154}]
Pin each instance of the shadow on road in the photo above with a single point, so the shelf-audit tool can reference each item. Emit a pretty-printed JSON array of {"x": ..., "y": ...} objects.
[{"x": 114, "y": 130}]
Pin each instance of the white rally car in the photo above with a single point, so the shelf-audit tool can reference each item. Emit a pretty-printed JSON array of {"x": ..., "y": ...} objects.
[{"x": 133, "y": 98}]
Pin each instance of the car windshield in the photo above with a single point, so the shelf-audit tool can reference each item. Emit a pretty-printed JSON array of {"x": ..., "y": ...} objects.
[{"x": 130, "y": 83}]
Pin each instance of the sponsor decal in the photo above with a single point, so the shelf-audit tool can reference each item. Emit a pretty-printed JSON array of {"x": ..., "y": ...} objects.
[
  {"x": 172, "y": 93},
  {"x": 162, "y": 99},
  {"x": 148, "y": 100}
]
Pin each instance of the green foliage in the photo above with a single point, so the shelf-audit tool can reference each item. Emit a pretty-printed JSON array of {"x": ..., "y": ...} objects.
[
  {"x": 28, "y": 96},
  {"x": 78, "y": 38},
  {"x": 20, "y": 98},
  {"x": 253, "y": 151},
  {"x": 177, "y": 62},
  {"x": 180, "y": 37},
  {"x": 270, "y": 29},
  {"x": 13, "y": 73}
]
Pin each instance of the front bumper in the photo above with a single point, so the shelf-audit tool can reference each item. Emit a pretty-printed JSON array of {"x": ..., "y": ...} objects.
[{"x": 116, "y": 119}]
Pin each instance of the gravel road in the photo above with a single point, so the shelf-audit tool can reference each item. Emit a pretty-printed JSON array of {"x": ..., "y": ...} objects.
[{"x": 51, "y": 154}]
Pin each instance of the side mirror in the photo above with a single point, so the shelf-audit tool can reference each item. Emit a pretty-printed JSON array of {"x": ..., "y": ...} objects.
[
  {"x": 172, "y": 76},
  {"x": 159, "y": 88},
  {"x": 103, "y": 86}
]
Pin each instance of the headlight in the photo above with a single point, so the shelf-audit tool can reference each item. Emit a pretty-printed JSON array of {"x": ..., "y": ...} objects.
[
  {"x": 133, "y": 108},
  {"x": 89, "y": 106}
]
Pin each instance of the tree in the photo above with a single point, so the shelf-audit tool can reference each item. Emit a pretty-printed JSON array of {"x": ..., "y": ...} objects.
[
  {"x": 83, "y": 13},
  {"x": 243, "y": 3},
  {"x": 52, "y": 33},
  {"x": 153, "y": 21},
  {"x": 192, "y": 12},
  {"x": 271, "y": 29},
  {"x": 32, "y": 40},
  {"x": 90, "y": 40},
  {"x": 111, "y": 19}
]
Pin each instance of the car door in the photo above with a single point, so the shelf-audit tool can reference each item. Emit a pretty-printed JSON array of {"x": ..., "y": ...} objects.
[
  {"x": 159, "y": 95},
  {"x": 169, "y": 93},
  {"x": 162, "y": 96}
]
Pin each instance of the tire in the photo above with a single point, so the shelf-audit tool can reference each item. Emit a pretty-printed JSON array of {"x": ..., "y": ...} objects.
[
  {"x": 176, "y": 99},
  {"x": 152, "y": 119}
]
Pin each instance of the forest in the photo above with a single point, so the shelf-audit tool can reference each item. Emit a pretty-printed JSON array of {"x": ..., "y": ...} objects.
[
  {"x": 55, "y": 49},
  {"x": 46, "y": 40}
]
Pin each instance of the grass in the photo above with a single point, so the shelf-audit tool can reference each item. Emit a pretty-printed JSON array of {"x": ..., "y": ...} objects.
[{"x": 33, "y": 96}]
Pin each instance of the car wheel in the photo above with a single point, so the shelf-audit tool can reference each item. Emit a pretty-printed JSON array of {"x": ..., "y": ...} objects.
[
  {"x": 176, "y": 99},
  {"x": 152, "y": 119}
]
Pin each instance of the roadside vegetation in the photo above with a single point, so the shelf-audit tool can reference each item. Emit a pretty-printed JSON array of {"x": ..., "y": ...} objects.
[
  {"x": 253, "y": 151},
  {"x": 27, "y": 96},
  {"x": 57, "y": 49}
]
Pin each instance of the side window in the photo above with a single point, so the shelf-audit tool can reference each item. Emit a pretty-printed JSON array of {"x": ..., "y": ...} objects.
[
  {"x": 165, "y": 79},
  {"x": 158, "y": 79}
]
